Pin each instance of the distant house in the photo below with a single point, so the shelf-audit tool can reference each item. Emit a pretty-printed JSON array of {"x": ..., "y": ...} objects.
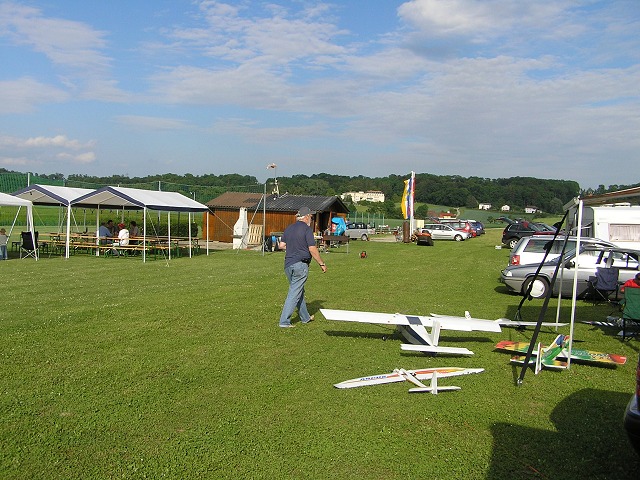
[
  {"x": 368, "y": 196},
  {"x": 530, "y": 209},
  {"x": 484, "y": 206},
  {"x": 446, "y": 215},
  {"x": 280, "y": 212},
  {"x": 505, "y": 208}
]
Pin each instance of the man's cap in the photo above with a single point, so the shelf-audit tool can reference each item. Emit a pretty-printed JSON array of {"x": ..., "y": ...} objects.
[{"x": 304, "y": 211}]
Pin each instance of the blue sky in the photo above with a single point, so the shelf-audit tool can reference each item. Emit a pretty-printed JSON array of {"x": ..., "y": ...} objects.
[{"x": 488, "y": 88}]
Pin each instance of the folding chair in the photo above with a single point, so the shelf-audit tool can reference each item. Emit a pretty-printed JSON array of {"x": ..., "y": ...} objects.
[
  {"x": 604, "y": 284},
  {"x": 630, "y": 310},
  {"x": 29, "y": 248}
]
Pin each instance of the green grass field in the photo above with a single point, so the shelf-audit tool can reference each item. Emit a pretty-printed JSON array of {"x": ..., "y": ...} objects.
[{"x": 112, "y": 368}]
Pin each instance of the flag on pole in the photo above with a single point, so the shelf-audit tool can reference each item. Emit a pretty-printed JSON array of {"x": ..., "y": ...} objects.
[
  {"x": 271, "y": 165},
  {"x": 407, "y": 197}
]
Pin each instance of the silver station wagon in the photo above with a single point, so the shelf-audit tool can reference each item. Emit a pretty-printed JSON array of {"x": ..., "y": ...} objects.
[
  {"x": 518, "y": 277},
  {"x": 441, "y": 231}
]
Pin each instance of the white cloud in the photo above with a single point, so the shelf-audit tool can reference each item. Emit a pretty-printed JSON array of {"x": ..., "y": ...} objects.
[
  {"x": 64, "y": 42},
  {"x": 23, "y": 95},
  {"x": 152, "y": 123},
  {"x": 82, "y": 158},
  {"x": 34, "y": 152},
  {"x": 480, "y": 18}
]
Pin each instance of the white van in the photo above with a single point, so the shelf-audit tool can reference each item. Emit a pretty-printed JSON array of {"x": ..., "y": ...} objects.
[{"x": 530, "y": 250}]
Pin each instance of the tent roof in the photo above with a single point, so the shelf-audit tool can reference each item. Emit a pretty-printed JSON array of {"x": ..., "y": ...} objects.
[
  {"x": 291, "y": 203},
  {"x": 136, "y": 198},
  {"x": 51, "y": 194},
  {"x": 11, "y": 201},
  {"x": 235, "y": 200}
]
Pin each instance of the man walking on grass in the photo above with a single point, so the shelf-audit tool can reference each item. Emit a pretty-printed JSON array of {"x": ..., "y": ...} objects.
[{"x": 300, "y": 247}]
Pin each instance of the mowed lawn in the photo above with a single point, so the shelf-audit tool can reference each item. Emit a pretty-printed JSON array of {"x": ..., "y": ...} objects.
[{"x": 112, "y": 368}]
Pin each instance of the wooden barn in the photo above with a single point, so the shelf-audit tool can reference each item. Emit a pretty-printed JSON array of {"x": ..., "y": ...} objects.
[{"x": 280, "y": 212}]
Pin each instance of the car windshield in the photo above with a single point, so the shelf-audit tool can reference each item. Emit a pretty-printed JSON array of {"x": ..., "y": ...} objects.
[{"x": 537, "y": 228}]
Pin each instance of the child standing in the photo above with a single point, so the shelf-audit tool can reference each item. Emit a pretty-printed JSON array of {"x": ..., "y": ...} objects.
[{"x": 3, "y": 244}]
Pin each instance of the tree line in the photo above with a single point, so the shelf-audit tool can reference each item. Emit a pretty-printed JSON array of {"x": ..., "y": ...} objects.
[{"x": 451, "y": 190}]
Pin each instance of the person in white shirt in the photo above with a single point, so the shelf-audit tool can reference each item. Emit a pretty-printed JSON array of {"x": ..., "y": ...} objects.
[{"x": 123, "y": 235}]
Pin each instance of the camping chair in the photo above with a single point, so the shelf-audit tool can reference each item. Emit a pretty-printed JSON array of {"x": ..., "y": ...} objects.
[
  {"x": 28, "y": 249},
  {"x": 630, "y": 309},
  {"x": 603, "y": 284}
]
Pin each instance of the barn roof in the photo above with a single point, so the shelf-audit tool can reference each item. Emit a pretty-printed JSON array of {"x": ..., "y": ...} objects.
[
  {"x": 235, "y": 200},
  {"x": 283, "y": 203}
]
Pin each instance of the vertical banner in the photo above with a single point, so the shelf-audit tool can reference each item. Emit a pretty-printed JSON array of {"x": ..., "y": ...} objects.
[{"x": 407, "y": 198}]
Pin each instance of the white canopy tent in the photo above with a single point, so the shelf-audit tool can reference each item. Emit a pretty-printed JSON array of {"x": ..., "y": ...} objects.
[
  {"x": 54, "y": 195},
  {"x": 11, "y": 201},
  {"x": 145, "y": 200}
]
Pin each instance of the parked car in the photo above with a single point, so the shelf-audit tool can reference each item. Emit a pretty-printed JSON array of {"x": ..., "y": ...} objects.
[
  {"x": 632, "y": 414},
  {"x": 478, "y": 227},
  {"x": 530, "y": 250},
  {"x": 460, "y": 225},
  {"x": 360, "y": 231},
  {"x": 518, "y": 277},
  {"x": 544, "y": 227},
  {"x": 440, "y": 231},
  {"x": 515, "y": 231}
]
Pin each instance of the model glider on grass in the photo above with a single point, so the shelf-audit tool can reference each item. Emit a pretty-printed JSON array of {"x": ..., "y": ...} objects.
[
  {"x": 555, "y": 356},
  {"x": 414, "y": 327},
  {"x": 413, "y": 376},
  {"x": 505, "y": 322}
]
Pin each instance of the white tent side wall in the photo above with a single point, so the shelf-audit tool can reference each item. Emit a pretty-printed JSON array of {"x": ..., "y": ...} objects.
[{"x": 11, "y": 201}]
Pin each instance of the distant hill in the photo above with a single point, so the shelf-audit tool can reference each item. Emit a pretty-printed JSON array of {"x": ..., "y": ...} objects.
[{"x": 456, "y": 191}]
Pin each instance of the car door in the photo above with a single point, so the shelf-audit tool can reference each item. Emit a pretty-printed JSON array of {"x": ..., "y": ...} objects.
[
  {"x": 448, "y": 232},
  {"x": 436, "y": 232}
]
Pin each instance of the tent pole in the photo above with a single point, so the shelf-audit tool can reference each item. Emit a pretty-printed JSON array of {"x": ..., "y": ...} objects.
[
  {"x": 98, "y": 231},
  {"x": 66, "y": 246},
  {"x": 264, "y": 218},
  {"x": 144, "y": 234},
  {"x": 575, "y": 281},
  {"x": 189, "y": 230}
]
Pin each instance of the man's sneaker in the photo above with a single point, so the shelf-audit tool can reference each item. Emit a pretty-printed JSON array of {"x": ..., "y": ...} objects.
[
  {"x": 310, "y": 319},
  {"x": 287, "y": 326}
]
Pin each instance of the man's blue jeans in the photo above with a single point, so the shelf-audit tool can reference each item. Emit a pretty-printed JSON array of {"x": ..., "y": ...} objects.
[{"x": 297, "y": 276}]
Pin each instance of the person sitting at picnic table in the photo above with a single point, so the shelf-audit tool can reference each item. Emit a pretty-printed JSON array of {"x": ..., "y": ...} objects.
[
  {"x": 103, "y": 233},
  {"x": 134, "y": 231},
  {"x": 112, "y": 228},
  {"x": 123, "y": 235}
]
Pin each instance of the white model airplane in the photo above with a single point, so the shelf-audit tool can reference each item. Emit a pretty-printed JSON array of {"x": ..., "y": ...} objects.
[
  {"x": 505, "y": 322},
  {"x": 414, "y": 328},
  {"x": 413, "y": 376}
]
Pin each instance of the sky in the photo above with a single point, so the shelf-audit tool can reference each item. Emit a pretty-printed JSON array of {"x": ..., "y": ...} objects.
[{"x": 486, "y": 88}]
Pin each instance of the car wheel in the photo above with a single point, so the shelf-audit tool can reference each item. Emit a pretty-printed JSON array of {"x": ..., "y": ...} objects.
[
  {"x": 364, "y": 237},
  {"x": 512, "y": 243},
  {"x": 458, "y": 238},
  {"x": 539, "y": 288}
]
